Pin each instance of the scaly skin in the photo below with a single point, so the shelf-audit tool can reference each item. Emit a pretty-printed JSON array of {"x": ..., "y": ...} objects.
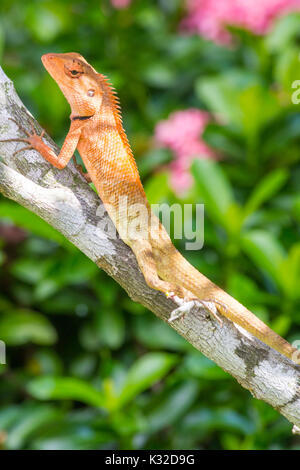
[{"x": 96, "y": 131}]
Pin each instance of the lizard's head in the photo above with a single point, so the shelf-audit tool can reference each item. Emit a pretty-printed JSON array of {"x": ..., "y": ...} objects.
[{"x": 77, "y": 80}]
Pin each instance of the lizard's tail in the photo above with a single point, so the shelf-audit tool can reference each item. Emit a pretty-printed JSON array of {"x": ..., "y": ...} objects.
[{"x": 187, "y": 276}]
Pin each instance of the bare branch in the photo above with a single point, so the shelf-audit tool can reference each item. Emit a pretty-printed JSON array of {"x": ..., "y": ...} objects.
[{"x": 64, "y": 199}]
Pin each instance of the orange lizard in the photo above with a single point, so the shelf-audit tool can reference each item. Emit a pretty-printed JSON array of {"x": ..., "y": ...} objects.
[{"x": 96, "y": 131}]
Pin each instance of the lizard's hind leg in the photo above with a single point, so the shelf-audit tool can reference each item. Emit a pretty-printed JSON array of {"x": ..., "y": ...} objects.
[
  {"x": 172, "y": 266},
  {"x": 167, "y": 258},
  {"x": 145, "y": 258}
]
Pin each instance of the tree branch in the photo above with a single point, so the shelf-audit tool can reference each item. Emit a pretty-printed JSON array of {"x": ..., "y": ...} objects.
[{"x": 64, "y": 199}]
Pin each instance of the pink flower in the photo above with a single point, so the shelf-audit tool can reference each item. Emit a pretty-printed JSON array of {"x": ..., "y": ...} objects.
[
  {"x": 210, "y": 17},
  {"x": 120, "y": 3},
  {"x": 182, "y": 134}
]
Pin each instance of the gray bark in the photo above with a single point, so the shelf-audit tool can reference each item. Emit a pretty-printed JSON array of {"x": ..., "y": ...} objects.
[{"x": 65, "y": 200}]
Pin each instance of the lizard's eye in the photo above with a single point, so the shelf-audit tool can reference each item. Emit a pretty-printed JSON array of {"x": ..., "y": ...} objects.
[
  {"x": 75, "y": 70},
  {"x": 91, "y": 92}
]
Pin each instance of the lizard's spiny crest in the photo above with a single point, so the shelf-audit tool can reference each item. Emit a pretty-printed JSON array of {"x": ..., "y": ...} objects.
[{"x": 111, "y": 94}]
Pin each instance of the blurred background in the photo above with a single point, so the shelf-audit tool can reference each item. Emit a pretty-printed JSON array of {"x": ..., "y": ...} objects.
[{"x": 209, "y": 97}]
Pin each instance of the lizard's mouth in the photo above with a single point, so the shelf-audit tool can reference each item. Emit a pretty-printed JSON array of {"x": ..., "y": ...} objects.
[{"x": 49, "y": 62}]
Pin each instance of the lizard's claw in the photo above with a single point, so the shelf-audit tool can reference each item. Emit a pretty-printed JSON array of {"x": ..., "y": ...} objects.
[
  {"x": 170, "y": 295},
  {"x": 33, "y": 139}
]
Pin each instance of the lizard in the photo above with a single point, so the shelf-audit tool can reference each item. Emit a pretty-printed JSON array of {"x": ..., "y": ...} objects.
[{"x": 96, "y": 130}]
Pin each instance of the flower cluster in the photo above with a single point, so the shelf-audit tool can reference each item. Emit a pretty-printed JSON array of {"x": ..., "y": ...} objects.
[
  {"x": 182, "y": 134},
  {"x": 210, "y": 17},
  {"x": 119, "y": 4}
]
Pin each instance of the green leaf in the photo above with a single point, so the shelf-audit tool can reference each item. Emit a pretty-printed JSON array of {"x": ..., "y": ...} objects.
[
  {"x": 241, "y": 99},
  {"x": 287, "y": 69},
  {"x": 46, "y": 21},
  {"x": 290, "y": 273},
  {"x": 30, "y": 422},
  {"x": 154, "y": 334},
  {"x": 25, "y": 219},
  {"x": 246, "y": 291},
  {"x": 280, "y": 137},
  {"x": 157, "y": 188},
  {"x": 173, "y": 405},
  {"x": 30, "y": 270},
  {"x": 201, "y": 367},
  {"x": 220, "y": 93},
  {"x": 221, "y": 138},
  {"x": 282, "y": 324},
  {"x": 46, "y": 288},
  {"x": 110, "y": 328},
  {"x": 258, "y": 106},
  {"x": 284, "y": 31},
  {"x": 209, "y": 420},
  {"x": 69, "y": 435},
  {"x": 145, "y": 372},
  {"x": 153, "y": 159},
  {"x": 65, "y": 388},
  {"x": 46, "y": 361},
  {"x": 265, "y": 251},
  {"x": 267, "y": 188},
  {"x": 8, "y": 416},
  {"x": 76, "y": 268},
  {"x": 214, "y": 189},
  {"x": 22, "y": 326},
  {"x": 159, "y": 74},
  {"x": 83, "y": 366}
]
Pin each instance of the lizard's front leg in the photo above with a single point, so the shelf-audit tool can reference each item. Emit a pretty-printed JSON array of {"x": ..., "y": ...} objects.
[{"x": 35, "y": 141}]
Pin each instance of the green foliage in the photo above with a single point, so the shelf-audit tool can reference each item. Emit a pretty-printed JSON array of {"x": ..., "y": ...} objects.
[
  {"x": 23, "y": 326},
  {"x": 86, "y": 367}
]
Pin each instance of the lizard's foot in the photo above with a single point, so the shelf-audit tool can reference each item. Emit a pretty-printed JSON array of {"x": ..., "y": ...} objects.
[
  {"x": 79, "y": 168},
  {"x": 33, "y": 139},
  {"x": 184, "y": 306},
  {"x": 211, "y": 306}
]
